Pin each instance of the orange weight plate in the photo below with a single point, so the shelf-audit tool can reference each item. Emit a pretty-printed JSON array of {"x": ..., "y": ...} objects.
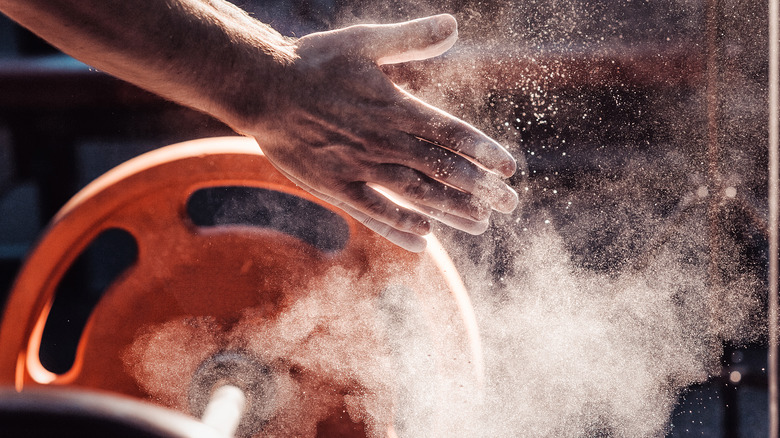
[{"x": 320, "y": 324}]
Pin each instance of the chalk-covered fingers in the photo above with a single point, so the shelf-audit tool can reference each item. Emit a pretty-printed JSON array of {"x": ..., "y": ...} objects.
[
  {"x": 444, "y": 203},
  {"x": 439, "y": 127},
  {"x": 454, "y": 170},
  {"x": 367, "y": 200},
  {"x": 408, "y": 41},
  {"x": 346, "y": 128},
  {"x": 458, "y": 222},
  {"x": 410, "y": 241}
]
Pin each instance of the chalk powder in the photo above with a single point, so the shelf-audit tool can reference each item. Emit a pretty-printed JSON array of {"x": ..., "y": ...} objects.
[{"x": 573, "y": 347}]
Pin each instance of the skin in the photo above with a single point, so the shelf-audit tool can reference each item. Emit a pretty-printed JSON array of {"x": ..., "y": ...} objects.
[{"x": 319, "y": 106}]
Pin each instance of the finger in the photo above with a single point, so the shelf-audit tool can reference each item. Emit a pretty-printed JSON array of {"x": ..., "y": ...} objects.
[
  {"x": 410, "y": 41},
  {"x": 460, "y": 223},
  {"x": 434, "y": 125},
  {"x": 452, "y": 169},
  {"x": 368, "y": 201},
  {"x": 430, "y": 195},
  {"x": 406, "y": 240}
]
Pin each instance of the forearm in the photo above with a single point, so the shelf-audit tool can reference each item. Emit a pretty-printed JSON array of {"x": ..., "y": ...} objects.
[
  {"x": 206, "y": 54},
  {"x": 321, "y": 108}
]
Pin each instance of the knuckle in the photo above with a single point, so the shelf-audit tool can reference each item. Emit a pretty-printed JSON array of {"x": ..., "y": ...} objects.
[
  {"x": 375, "y": 225},
  {"x": 371, "y": 223},
  {"x": 367, "y": 221}
]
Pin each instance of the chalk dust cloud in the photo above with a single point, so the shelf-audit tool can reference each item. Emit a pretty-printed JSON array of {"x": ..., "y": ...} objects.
[
  {"x": 341, "y": 347},
  {"x": 599, "y": 301}
]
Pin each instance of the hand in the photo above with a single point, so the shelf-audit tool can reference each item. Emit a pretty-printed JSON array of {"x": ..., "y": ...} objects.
[{"x": 339, "y": 128}]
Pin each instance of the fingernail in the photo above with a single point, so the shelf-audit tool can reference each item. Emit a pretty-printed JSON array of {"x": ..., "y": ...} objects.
[
  {"x": 496, "y": 158},
  {"x": 508, "y": 168},
  {"x": 422, "y": 228},
  {"x": 509, "y": 200},
  {"x": 443, "y": 26}
]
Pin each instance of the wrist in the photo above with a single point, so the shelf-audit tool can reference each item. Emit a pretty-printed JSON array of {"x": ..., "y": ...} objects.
[
  {"x": 246, "y": 86},
  {"x": 246, "y": 71}
]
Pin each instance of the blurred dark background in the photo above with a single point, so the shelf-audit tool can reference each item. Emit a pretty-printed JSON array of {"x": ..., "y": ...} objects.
[{"x": 578, "y": 89}]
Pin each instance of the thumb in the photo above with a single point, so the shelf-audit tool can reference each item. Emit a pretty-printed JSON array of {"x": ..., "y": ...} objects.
[{"x": 412, "y": 40}]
